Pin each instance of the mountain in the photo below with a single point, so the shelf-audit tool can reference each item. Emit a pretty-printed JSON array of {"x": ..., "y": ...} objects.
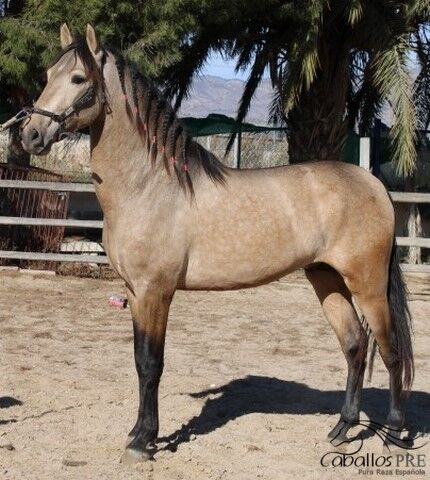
[{"x": 210, "y": 94}]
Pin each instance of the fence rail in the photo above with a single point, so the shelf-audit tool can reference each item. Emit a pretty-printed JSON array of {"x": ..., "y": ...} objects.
[
  {"x": 398, "y": 197},
  {"x": 410, "y": 197},
  {"x": 50, "y": 186},
  {"x": 54, "y": 257},
  {"x": 56, "y": 222},
  {"x": 413, "y": 242}
]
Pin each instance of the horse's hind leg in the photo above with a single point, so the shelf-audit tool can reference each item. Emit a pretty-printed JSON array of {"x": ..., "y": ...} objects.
[
  {"x": 337, "y": 305},
  {"x": 382, "y": 297},
  {"x": 377, "y": 313}
]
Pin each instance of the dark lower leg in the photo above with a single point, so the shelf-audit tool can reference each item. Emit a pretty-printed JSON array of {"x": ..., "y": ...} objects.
[
  {"x": 350, "y": 413},
  {"x": 395, "y": 418},
  {"x": 135, "y": 429},
  {"x": 149, "y": 366}
]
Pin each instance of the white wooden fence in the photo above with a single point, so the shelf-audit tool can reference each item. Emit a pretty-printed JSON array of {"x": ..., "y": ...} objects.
[{"x": 398, "y": 197}]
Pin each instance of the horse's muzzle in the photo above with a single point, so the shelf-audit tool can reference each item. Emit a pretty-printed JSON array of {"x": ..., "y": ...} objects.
[{"x": 38, "y": 135}]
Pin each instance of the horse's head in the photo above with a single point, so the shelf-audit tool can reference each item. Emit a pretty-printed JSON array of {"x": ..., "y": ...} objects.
[{"x": 73, "y": 97}]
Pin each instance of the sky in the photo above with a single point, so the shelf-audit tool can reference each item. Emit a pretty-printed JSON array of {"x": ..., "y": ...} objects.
[{"x": 220, "y": 67}]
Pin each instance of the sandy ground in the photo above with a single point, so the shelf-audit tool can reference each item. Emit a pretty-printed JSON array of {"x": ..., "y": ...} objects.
[{"x": 253, "y": 381}]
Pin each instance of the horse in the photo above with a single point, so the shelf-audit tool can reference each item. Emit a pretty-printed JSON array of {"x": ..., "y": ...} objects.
[{"x": 176, "y": 218}]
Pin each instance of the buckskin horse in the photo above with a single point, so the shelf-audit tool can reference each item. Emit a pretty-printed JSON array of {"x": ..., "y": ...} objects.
[{"x": 176, "y": 218}]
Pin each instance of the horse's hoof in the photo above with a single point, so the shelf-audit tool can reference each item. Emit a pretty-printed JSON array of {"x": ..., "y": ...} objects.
[
  {"x": 150, "y": 446},
  {"x": 132, "y": 456},
  {"x": 393, "y": 443},
  {"x": 338, "y": 434}
]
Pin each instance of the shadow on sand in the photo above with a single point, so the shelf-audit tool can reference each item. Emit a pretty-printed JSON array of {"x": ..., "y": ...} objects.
[
  {"x": 258, "y": 394},
  {"x": 6, "y": 402}
]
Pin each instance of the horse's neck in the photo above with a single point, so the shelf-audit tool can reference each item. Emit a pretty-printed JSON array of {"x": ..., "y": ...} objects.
[{"x": 119, "y": 160}]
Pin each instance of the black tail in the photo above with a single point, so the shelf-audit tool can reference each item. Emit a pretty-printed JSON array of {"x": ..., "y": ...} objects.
[{"x": 401, "y": 322}]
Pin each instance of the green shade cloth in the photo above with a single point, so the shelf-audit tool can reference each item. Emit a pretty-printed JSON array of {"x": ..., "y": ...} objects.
[
  {"x": 216, "y": 124},
  {"x": 351, "y": 149}
]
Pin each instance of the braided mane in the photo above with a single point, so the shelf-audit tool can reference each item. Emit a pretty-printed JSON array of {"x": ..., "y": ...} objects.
[{"x": 161, "y": 131}]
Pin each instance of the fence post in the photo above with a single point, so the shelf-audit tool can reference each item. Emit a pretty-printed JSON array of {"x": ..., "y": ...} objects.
[
  {"x": 238, "y": 148},
  {"x": 365, "y": 153},
  {"x": 376, "y": 148}
]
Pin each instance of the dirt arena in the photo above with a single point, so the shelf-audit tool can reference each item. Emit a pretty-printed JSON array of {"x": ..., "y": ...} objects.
[{"x": 253, "y": 382}]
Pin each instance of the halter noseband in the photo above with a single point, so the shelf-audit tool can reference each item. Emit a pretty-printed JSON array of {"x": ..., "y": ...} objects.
[{"x": 82, "y": 102}]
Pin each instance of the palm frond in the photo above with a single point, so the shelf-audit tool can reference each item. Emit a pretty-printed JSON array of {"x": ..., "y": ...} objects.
[
  {"x": 261, "y": 61},
  {"x": 180, "y": 76},
  {"x": 301, "y": 74},
  {"x": 245, "y": 57},
  {"x": 364, "y": 102},
  {"x": 354, "y": 11},
  {"x": 422, "y": 82},
  {"x": 422, "y": 98},
  {"x": 303, "y": 61},
  {"x": 276, "y": 108},
  {"x": 391, "y": 78},
  {"x": 419, "y": 8}
]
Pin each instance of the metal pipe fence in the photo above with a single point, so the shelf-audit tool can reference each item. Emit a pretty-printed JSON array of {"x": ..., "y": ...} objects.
[
  {"x": 17, "y": 203},
  {"x": 257, "y": 150}
]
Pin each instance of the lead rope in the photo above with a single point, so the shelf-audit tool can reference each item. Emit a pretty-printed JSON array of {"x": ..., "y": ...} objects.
[{"x": 19, "y": 117}]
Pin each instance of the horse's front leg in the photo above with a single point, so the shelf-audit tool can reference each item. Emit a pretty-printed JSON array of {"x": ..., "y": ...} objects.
[{"x": 150, "y": 311}]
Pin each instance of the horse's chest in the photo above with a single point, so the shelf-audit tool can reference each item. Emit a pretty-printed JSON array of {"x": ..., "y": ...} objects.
[
  {"x": 133, "y": 247},
  {"x": 111, "y": 244},
  {"x": 118, "y": 244}
]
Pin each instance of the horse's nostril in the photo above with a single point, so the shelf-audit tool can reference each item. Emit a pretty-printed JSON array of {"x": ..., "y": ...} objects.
[{"x": 31, "y": 138}]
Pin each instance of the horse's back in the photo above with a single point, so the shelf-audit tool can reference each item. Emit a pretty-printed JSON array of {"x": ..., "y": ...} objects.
[{"x": 265, "y": 223}]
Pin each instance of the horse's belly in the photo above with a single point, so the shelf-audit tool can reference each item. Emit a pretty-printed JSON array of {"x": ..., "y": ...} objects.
[
  {"x": 234, "y": 276},
  {"x": 240, "y": 263}
]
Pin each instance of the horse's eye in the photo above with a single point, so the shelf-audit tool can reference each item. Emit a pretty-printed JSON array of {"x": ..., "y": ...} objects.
[{"x": 78, "y": 79}]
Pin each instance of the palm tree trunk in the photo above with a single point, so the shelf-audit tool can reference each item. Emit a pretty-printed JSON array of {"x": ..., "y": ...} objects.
[{"x": 318, "y": 127}]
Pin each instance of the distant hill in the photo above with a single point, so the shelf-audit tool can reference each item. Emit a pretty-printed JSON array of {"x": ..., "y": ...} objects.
[{"x": 212, "y": 94}]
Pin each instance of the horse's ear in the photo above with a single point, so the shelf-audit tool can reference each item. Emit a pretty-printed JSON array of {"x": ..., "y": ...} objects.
[
  {"x": 93, "y": 42},
  {"x": 65, "y": 36}
]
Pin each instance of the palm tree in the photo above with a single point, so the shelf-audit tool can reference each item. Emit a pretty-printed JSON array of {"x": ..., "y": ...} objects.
[
  {"x": 333, "y": 64},
  {"x": 12, "y": 95}
]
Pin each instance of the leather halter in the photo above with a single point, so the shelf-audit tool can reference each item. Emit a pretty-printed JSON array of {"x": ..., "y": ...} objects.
[{"x": 85, "y": 100}]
